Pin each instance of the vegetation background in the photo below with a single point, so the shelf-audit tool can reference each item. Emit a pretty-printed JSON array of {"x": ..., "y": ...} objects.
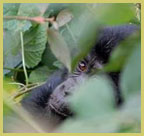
[{"x": 42, "y": 38}]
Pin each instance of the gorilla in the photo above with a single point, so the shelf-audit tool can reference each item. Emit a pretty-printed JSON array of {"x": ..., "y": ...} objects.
[{"x": 49, "y": 101}]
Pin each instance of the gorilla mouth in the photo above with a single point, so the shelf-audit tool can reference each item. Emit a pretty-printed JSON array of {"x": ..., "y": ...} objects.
[{"x": 58, "y": 111}]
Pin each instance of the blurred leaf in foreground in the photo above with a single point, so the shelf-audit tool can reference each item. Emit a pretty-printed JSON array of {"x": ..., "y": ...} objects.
[
  {"x": 127, "y": 119},
  {"x": 91, "y": 96},
  {"x": 131, "y": 76}
]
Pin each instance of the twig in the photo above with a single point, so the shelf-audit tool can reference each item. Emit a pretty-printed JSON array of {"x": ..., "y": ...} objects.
[
  {"x": 15, "y": 83},
  {"x": 15, "y": 69},
  {"x": 33, "y": 19},
  {"x": 23, "y": 58},
  {"x": 24, "y": 90}
]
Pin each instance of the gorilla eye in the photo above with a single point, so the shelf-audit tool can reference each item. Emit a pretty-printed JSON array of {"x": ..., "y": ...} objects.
[{"x": 82, "y": 66}]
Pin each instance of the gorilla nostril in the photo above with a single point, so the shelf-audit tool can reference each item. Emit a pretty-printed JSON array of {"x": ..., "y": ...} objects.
[
  {"x": 66, "y": 93},
  {"x": 62, "y": 87}
]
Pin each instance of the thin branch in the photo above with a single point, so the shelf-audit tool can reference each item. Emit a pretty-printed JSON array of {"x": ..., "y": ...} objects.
[
  {"x": 26, "y": 89},
  {"x": 15, "y": 69},
  {"x": 23, "y": 58},
  {"x": 33, "y": 19},
  {"x": 16, "y": 83}
]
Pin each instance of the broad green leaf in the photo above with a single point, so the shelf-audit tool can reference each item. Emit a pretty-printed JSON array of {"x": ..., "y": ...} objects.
[
  {"x": 36, "y": 46},
  {"x": 41, "y": 74},
  {"x": 131, "y": 75},
  {"x": 93, "y": 98},
  {"x": 104, "y": 124},
  {"x": 130, "y": 113},
  {"x": 28, "y": 9},
  {"x": 11, "y": 50},
  {"x": 59, "y": 47},
  {"x": 112, "y": 14},
  {"x": 15, "y": 25},
  {"x": 125, "y": 119},
  {"x": 10, "y": 9}
]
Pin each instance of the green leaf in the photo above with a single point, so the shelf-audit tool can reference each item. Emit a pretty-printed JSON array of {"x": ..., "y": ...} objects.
[
  {"x": 48, "y": 57},
  {"x": 124, "y": 13},
  {"x": 125, "y": 119},
  {"x": 96, "y": 96},
  {"x": 130, "y": 114},
  {"x": 58, "y": 64},
  {"x": 59, "y": 47},
  {"x": 28, "y": 10},
  {"x": 41, "y": 74},
  {"x": 11, "y": 50},
  {"x": 64, "y": 17},
  {"x": 10, "y": 9},
  {"x": 131, "y": 76},
  {"x": 36, "y": 46},
  {"x": 103, "y": 124}
]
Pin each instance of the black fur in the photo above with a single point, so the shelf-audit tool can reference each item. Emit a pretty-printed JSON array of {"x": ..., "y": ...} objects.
[{"x": 37, "y": 101}]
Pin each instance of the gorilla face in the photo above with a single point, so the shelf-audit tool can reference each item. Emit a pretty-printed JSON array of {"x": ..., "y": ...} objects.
[{"x": 59, "y": 98}]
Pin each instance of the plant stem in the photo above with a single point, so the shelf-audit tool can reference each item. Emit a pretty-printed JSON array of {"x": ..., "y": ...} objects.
[
  {"x": 23, "y": 57},
  {"x": 28, "y": 18},
  {"x": 25, "y": 90},
  {"x": 15, "y": 69}
]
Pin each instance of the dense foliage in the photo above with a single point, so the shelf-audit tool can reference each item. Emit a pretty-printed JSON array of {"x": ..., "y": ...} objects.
[{"x": 35, "y": 47}]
